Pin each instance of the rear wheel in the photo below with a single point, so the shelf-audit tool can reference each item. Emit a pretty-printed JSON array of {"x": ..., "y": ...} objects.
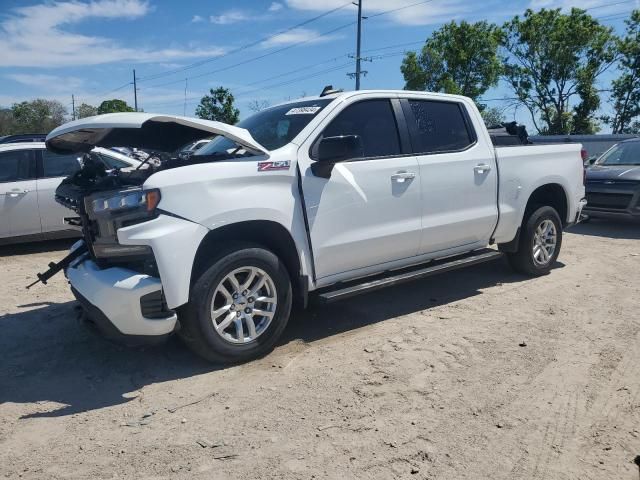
[
  {"x": 539, "y": 244},
  {"x": 238, "y": 307}
]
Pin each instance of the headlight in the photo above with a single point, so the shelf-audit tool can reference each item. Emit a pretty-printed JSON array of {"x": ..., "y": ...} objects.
[{"x": 137, "y": 199}]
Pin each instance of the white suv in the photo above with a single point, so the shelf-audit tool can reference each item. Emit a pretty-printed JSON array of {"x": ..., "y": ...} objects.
[{"x": 29, "y": 176}]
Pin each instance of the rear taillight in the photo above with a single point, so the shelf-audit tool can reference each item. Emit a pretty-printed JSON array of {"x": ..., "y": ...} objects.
[{"x": 584, "y": 154}]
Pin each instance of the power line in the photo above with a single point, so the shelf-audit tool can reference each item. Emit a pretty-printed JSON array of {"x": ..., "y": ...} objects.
[
  {"x": 244, "y": 47},
  {"x": 104, "y": 94},
  {"x": 268, "y": 87},
  {"x": 615, "y": 16},
  {"x": 612, "y": 17},
  {"x": 397, "y": 9},
  {"x": 293, "y": 45},
  {"x": 609, "y": 4},
  {"x": 259, "y": 57}
]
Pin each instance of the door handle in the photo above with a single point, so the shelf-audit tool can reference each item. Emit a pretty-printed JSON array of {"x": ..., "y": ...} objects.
[
  {"x": 401, "y": 176},
  {"x": 16, "y": 192},
  {"x": 482, "y": 168}
]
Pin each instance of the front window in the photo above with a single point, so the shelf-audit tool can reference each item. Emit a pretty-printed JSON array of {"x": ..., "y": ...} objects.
[
  {"x": 626, "y": 153},
  {"x": 371, "y": 120},
  {"x": 272, "y": 128}
]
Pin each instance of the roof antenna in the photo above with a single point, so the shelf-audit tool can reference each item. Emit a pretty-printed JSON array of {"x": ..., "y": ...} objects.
[{"x": 328, "y": 90}]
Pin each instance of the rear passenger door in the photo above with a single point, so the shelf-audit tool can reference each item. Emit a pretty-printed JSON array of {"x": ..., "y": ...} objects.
[
  {"x": 18, "y": 194},
  {"x": 367, "y": 212},
  {"x": 457, "y": 173},
  {"x": 53, "y": 169}
]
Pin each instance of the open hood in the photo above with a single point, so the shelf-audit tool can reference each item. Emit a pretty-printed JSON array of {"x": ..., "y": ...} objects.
[{"x": 143, "y": 130}]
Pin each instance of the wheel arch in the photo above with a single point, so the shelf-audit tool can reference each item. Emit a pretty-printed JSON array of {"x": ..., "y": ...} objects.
[
  {"x": 267, "y": 233},
  {"x": 549, "y": 194},
  {"x": 552, "y": 195}
]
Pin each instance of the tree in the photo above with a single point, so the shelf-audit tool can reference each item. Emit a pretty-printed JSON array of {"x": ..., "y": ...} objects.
[
  {"x": 218, "y": 106},
  {"x": 113, "y": 106},
  {"x": 626, "y": 88},
  {"x": 37, "y": 116},
  {"x": 492, "y": 117},
  {"x": 6, "y": 121},
  {"x": 457, "y": 58},
  {"x": 85, "y": 110},
  {"x": 553, "y": 60},
  {"x": 258, "y": 105}
]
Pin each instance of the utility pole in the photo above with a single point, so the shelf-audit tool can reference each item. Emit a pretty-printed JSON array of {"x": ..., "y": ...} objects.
[
  {"x": 184, "y": 109},
  {"x": 73, "y": 107},
  {"x": 358, "y": 71},
  {"x": 135, "y": 91}
]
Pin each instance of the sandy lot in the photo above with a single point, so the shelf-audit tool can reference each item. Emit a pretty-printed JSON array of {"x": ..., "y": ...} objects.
[{"x": 476, "y": 374}]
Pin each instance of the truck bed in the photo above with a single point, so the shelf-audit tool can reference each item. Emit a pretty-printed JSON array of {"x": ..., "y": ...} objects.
[{"x": 547, "y": 164}]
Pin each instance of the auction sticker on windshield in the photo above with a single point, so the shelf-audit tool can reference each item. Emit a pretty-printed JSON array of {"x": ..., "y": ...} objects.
[{"x": 303, "y": 111}]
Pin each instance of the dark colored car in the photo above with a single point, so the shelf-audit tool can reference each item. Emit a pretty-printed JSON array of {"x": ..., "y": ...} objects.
[
  {"x": 23, "y": 137},
  {"x": 613, "y": 182}
]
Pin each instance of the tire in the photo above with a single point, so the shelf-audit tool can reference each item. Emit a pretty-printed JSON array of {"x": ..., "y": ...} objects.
[
  {"x": 211, "y": 293},
  {"x": 534, "y": 262}
]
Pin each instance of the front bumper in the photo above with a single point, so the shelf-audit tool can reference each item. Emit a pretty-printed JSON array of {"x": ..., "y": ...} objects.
[
  {"x": 623, "y": 204},
  {"x": 114, "y": 300},
  {"x": 614, "y": 201}
]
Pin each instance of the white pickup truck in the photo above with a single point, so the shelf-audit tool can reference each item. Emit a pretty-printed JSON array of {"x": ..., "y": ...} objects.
[{"x": 322, "y": 197}]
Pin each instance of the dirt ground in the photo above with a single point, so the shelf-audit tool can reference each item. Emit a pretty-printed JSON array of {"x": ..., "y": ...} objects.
[{"x": 475, "y": 374}]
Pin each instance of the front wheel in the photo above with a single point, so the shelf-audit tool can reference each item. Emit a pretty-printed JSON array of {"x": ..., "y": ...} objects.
[
  {"x": 540, "y": 242},
  {"x": 238, "y": 307}
]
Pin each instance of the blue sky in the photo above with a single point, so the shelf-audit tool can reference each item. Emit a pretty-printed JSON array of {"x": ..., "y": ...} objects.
[{"x": 54, "y": 49}]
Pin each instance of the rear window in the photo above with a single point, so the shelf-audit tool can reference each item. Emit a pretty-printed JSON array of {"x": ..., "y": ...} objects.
[
  {"x": 441, "y": 126},
  {"x": 55, "y": 165},
  {"x": 17, "y": 165}
]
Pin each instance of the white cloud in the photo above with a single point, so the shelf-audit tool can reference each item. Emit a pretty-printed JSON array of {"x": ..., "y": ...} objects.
[
  {"x": 47, "y": 82},
  {"x": 275, "y": 7},
  {"x": 229, "y": 17},
  {"x": 34, "y": 36},
  {"x": 435, "y": 12},
  {"x": 296, "y": 35},
  {"x": 197, "y": 19}
]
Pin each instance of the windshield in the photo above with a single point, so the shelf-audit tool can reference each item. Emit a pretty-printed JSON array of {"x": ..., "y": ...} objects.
[
  {"x": 626, "y": 153},
  {"x": 272, "y": 128}
]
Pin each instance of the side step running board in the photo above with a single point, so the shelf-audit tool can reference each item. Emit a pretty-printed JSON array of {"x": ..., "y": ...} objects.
[{"x": 393, "y": 278}]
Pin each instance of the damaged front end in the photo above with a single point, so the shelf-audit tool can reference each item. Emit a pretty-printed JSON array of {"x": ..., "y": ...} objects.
[
  {"x": 106, "y": 202},
  {"x": 125, "y": 270}
]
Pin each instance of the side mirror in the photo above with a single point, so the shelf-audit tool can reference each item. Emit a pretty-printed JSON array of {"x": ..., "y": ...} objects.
[{"x": 339, "y": 149}]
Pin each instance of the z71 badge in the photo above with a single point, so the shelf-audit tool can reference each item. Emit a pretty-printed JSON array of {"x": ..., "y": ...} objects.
[{"x": 271, "y": 166}]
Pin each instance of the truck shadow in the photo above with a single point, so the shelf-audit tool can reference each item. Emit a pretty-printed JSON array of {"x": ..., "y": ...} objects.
[
  {"x": 45, "y": 356},
  {"x": 608, "y": 228}
]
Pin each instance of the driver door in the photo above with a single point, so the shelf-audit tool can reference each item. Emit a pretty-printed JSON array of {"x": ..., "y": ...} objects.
[{"x": 367, "y": 212}]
